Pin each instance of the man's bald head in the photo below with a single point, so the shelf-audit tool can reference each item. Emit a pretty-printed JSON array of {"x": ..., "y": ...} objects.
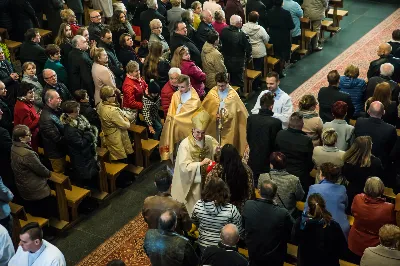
[
  {"x": 387, "y": 69},
  {"x": 384, "y": 49},
  {"x": 376, "y": 109},
  {"x": 206, "y": 16},
  {"x": 50, "y": 76},
  {"x": 167, "y": 221},
  {"x": 95, "y": 17},
  {"x": 230, "y": 235}
]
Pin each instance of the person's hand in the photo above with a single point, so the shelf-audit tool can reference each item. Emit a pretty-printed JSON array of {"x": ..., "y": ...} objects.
[
  {"x": 14, "y": 76},
  {"x": 218, "y": 149},
  {"x": 205, "y": 161},
  {"x": 151, "y": 129}
]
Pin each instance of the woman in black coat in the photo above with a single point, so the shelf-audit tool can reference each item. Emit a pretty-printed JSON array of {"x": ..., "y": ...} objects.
[
  {"x": 81, "y": 139},
  {"x": 126, "y": 51},
  {"x": 280, "y": 23}
]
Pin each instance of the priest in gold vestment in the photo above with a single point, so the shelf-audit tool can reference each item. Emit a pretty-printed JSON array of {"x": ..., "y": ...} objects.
[
  {"x": 177, "y": 126},
  {"x": 194, "y": 155},
  {"x": 234, "y": 117}
]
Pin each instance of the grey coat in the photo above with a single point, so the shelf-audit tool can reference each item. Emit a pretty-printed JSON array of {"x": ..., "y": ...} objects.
[
  {"x": 380, "y": 256},
  {"x": 174, "y": 15},
  {"x": 345, "y": 133}
]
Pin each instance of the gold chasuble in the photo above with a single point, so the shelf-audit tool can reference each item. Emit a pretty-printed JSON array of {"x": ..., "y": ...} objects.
[
  {"x": 188, "y": 174},
  {"x": 177, "y": 126},
  {"x": 234, "y": 120}
]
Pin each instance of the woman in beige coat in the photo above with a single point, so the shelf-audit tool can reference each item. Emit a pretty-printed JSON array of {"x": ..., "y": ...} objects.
[
  {"x": 101, "y": 74},
  {"x": 114, "y": 125},
  {"x": 212, "y": 60},
  {"x": 312, "y": 122}
]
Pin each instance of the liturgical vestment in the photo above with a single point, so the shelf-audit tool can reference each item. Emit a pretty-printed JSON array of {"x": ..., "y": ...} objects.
[
  {"x": 235, "y": 120},
  {"x": 178, "y": 123},
  {"x": 188, "y": 174}
]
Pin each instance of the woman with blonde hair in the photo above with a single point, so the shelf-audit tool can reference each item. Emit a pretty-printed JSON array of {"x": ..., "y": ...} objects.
[
  {"x": 155, "y": 66},
  {"x": 197, "y": 9},
  {"x": 181, "y": 59},
  {"x": 355, "y": 87},
  {"x": 102, "y": 75},
  {"x": 29, "y": 76},
  {"x": 63, "y": 40},
  {"x": 319, "y": 237},
  {"x": 156, "y": 36},
  {"x": 359, "y": 164},
  {"x": 312, "y": 122},
  {"x": 383, "y": 94},
  {"x": 68, "y": 16},
  {"x": 114, "y": 125},
  {"x": 134, "y": 87}
]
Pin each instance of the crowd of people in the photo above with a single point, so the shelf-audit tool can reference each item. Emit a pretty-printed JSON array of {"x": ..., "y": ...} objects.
[{"x": 87, "y": 87}]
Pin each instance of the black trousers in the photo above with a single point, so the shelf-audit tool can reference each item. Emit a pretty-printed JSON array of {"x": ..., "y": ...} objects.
[{"x": 45, "y": 207}]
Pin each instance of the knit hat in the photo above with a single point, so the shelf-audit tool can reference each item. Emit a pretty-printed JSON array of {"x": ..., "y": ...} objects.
[{"x": 153, "y": 87}]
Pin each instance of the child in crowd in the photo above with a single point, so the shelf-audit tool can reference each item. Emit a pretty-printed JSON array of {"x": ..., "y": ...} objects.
[
  {"x": 151, "y": 104},
  {"x": 82, "y": 97}
]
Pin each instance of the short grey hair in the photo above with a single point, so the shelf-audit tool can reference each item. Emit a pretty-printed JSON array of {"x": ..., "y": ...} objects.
[
  {"x": 49, "y": 95},
  {"x": 152, "y": 4},
  {"x": 174, "y": 70},
  {"x": 154, "y": 22},
  {"x": 374, "y": 187},
  {"x": 235, "y": 19},
  {"x": 75, "y": 40},
  {"x": 387, "y": 69},
  {"x": 119, "y": 6}
]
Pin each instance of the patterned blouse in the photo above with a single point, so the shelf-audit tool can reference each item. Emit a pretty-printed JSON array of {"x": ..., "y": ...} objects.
[{"x": 216, "y": 173}]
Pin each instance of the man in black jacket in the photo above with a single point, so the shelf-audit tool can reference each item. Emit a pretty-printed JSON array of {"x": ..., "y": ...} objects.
[
  {"x": 383, "y": 135},
  {"x": 298, "y": 149},
  {"x": 268, "y": 228},
  {"x": 262, "y": 129},
  {"x": 179, "y": 38},
  {"x": 163, "y": 7},
  {"x": 113, "y": 63},
  {"x": 7, "y": 115},
  {"x": 80, "y": 67},
  {"x": 257, "y": 5},
  {"x": 9, "y": 78},
  {"x": 386, "y": 72},
  {"x": 236, "y": 50},
  {"x": 31, "y": 51},
  {"x": 383, "y": 52},
  {"x": 226, "y": 252},
  {"x": 52, "y": 9},
  {"x": 95, "y": 26},
  {"x": 147, "y": 16},
  {"x": 52, "y": 131},
  {"x": 50, "y": 78},
  {"x": 327, "y": 96},
  {"x": 205, "y": 27}
]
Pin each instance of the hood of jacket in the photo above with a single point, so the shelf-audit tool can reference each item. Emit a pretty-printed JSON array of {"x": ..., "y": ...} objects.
[
  {"x": 251, "y": 28},
  {"x": 208, "y": 48}
]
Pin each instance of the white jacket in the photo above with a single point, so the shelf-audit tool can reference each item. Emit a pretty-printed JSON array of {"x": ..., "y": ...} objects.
[{"x": 258, "y": 38}]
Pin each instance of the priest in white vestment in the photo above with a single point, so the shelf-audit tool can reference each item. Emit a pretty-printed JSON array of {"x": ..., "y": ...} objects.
[
  {"x": 194, "y": 155},
  {"x": 33, "y": 250}
]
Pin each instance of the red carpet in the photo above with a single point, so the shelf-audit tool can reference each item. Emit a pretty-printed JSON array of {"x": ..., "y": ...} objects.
[{"x": 127, "y": 243}]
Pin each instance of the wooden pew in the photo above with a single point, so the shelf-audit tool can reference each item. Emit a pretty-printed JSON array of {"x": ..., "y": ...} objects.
[
  {"x": 102, "y": 155},
  {"x": 336, "y": 14},
  {"x": 21, "y": 218},
  {"x": 270, "y": 61},
  {"x": 13, "y": 46},
  {"x": 306, "y": 35},
  {"x": 326, "y": 25}
]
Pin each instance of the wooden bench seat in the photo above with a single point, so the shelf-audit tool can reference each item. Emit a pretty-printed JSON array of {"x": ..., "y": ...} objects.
[
  {"x": 269, "y": 64},
  {"x": 29, "y": 219},
  {"x": 250, "y": 76},
  {"x": 113, "y": 170},
  {"x": 74, "y": 198},
  {"x": 148, "y": 146},
  {"x": 389, "y": 194},
  {"x": 12, "y": 46},
  {"x": 340, "y": 13},
  {"x": 294, "y": 47}
]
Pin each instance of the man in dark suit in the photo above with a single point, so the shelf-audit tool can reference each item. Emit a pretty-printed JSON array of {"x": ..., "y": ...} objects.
[
  {"x": 163, "y": 7},
  {"x": 327, "y": 96},
  {"x": 298, "y": 149},
  {"x": 31, "y": 51},
  {"x": 386, "y": 72},
  {"x": 268, "y": 227},
  {"x": 154, "y": 205},
  {"x": 147, "y": 16},
  {"x": 205, "y": 27},
  {"x": 383, "y": 52},
  {"x": 262, "y": 129},
  {"x": 257, "y": 5},
  {"x": 179, "y": 38},
  {"x": 383, "y": 135},
  {"x": 226, "y": 252}
]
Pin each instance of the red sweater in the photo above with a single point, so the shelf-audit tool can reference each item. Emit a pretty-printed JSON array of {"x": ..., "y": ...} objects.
[
  {"x": 166, "y": 96},
  {"x": 25, "y": 114},
  {"x": 133, "y": 90}
]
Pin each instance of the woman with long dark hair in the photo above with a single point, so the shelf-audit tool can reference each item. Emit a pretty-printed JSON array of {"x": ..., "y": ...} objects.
[
  {"x": 320, "y": 238},
  {"x": 118, "y": 26},
  {"x": 236, "y": 174},
  {"x": 155, "y": 67}
]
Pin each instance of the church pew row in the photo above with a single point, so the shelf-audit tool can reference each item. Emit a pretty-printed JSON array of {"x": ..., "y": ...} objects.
[{"x": 306, "y": 35}]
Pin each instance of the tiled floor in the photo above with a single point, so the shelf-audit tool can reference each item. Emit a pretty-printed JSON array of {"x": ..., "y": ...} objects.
[{"x": 84, "y": 237}]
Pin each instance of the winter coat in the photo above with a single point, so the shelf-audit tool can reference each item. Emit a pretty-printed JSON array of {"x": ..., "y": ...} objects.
[
  {"x": 146, "y": 17},
  {"x": 166, "y": 95},
  {"x": 374, "y": 66},
  {"x": 213, "y": 63},
  {"x": 236, "y": 48},
  {"x": 197, "y": 76},
  {"x": 26, "y": 114},
  {"x": 90, "y": 114},
  {"x": 174, "y": 15},
  {"x": 115, "y": 131},
  {"x": 126, "y": 54},
  {"x": 113, "y": 63},
  {"x": 202, "y": 33},
  {"x": 315, "y": 9},
  {"x": 37, "y": 91},
  {"x": 30, "y": 174},
  {"x": 234, "y": 7},
  {"x": 81, "y": 139},
  {"x": 133, "y": 90},
  {"x": 355, "y": 87},
  {"x": 218, "y": 27},
  {"x": 23, "y": 18},
  {"x": 312, "y": 126},
  {"x": 94, "y": 30},
  {"x": 162, "y": 73},
  {"x": 102, "y": 76},
  {"x": 62, "y": 90},
  {"x": 6, "y": 121},
  {"x": 161, "y": 39},
  {"x": 80, "y": 72},
  {"x": 258, "y": 5},
  {"x": 258, "y": 38},
  {"x": 179, "y": 40},
  {"x": 12, "y": 86},
  {"x": 52, "y": 132}
]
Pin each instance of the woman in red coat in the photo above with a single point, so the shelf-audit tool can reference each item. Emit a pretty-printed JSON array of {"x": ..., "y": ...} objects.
[
  {"x": 182, "y": 60},
  {"x": 25, "y": 112},
  {"x": 370, "y": 213},
  {"x": 133, "y": 87}
]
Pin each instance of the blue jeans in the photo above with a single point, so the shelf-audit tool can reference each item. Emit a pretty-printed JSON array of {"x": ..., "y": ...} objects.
[{"x": 157, "y": 128}]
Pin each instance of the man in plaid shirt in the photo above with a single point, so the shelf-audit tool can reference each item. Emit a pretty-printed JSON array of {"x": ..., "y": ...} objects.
[{"x": 151, "y": 104}]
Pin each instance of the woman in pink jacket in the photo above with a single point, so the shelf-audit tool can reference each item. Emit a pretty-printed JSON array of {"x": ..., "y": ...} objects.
[{"x": 181, "y": 59}]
